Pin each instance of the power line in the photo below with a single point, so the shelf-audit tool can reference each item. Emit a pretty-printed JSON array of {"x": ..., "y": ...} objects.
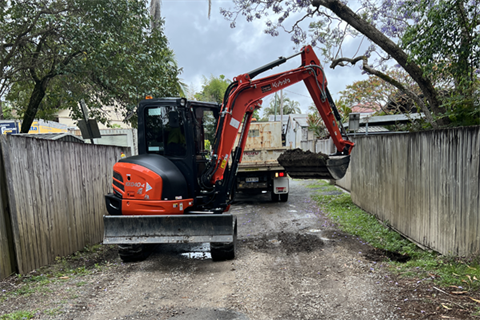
[{"x": 297, "y": 93}]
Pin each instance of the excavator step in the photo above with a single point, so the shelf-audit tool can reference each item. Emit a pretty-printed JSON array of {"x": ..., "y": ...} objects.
[
  {"x": 184, "y": 228},
  {"x": 301, "y": 164}
]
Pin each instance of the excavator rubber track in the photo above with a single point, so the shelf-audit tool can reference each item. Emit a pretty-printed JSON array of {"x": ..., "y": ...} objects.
[{"x": 309, "y": 165}]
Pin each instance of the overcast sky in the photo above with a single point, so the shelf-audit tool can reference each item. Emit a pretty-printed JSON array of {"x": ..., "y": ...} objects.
[{"x": 205, "y": 47}]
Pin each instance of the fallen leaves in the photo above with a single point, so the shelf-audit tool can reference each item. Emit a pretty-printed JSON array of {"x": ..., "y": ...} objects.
[
  {"x": 476, "y": 300},
  {"x": 458, "y": 292}
]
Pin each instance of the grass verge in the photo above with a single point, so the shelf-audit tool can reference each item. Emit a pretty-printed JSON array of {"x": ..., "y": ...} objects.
[
  {"x": 459, "y": 273},
  {"x": 18, "y": 315}
]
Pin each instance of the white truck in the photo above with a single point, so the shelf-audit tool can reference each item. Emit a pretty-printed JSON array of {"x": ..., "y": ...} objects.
[{"x": 259, "y": 169}]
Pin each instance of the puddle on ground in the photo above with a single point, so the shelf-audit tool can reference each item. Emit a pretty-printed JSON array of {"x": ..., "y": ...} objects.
[{"x": 318, "y": 231}]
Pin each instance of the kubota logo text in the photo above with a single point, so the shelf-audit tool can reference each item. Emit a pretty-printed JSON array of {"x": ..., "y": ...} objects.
[{"x": 281, "y": 83}]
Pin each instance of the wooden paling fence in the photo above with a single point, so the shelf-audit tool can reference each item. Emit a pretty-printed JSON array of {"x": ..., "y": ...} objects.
[
  {"x": 425, "y": 184},
  {"x": 52, "y": 199}
]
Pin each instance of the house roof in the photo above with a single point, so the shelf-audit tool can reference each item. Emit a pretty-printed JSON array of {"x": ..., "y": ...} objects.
[
  {"x": 297, "y": 118},
  {"x": 388, "y": 119},
  {"x": 372, "y": 129},
  {"x": 302, "y": 122},
  {"x": 365, "y": 108}
]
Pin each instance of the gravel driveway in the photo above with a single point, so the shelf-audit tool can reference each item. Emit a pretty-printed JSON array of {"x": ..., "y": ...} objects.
[{"x": 291, "y": 264}]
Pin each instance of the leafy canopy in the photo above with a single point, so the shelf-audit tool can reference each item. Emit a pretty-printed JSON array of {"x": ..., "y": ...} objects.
[
  {"x": 289, "y": 106},
  {"x": 386, "y": 30},
  {"x": 104, "y": 52}
]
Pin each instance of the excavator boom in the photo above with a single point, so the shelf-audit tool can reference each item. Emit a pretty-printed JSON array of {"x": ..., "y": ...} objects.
[{"x": 245, "y": 94}]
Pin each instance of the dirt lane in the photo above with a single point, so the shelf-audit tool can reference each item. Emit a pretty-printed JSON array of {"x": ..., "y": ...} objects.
[{"x": 291, "y": 264}]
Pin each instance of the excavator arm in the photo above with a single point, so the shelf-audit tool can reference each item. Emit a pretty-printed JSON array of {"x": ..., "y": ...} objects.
[{"x": 245, "y": 94}]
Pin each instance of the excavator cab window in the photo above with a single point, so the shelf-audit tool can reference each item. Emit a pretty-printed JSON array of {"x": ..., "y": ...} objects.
[
  {"x": 165, "y": 131},
  {"x": 205, "y": 125}
]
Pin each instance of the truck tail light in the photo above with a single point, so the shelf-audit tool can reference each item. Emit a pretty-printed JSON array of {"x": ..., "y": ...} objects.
[{"x": 279, "y": 174}]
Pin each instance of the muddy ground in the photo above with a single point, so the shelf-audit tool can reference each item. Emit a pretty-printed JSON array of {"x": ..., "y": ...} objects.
[{"x": 292, "y": 263}]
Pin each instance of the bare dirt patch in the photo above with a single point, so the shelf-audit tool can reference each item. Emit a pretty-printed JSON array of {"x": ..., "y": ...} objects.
[{"x": 292, "y": 263}]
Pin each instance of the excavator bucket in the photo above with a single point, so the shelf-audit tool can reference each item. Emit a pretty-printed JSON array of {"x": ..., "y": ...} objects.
[
  {"x": 308, "y": 165},
  {"x": 186, "y": 228}
]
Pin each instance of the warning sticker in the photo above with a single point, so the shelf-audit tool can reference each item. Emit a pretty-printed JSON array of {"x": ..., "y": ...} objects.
[
  {"x": 235, "y": 123},
  {"x": 148, "y": 188},
  {"x": 224, "y": 163}
]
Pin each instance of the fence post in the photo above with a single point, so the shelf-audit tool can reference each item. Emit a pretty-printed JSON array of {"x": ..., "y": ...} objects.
[{"x": 7, "y": 252}]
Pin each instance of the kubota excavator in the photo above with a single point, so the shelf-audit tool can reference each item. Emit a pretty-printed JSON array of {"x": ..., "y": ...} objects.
[{"x": 175, "y": 191}]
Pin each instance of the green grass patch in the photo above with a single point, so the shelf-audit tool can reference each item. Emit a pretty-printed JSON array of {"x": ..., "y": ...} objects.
[
  {"x": 53, "y": 311},
  {"x": 18, "y": 315},
  {"x": 462, "y": 273},
  {"x": 322, "y": 185}
]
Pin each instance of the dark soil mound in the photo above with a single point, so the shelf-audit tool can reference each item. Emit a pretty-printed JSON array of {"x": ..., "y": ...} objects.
[
  {"x": 308, "y": 165},
  {"x": 298, "y": 157}
]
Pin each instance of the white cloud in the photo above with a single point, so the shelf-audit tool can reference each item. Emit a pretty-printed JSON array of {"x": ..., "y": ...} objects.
[{"x": 206, "y": 47}]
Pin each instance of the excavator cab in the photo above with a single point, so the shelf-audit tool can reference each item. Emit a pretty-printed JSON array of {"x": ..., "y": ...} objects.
[{"x": 156, "y": 195}]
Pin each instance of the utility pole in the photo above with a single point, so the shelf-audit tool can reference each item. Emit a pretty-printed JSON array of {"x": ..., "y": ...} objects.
[
  {"x": 281, "y": 106},
  {"x": 275, "y": 108}
]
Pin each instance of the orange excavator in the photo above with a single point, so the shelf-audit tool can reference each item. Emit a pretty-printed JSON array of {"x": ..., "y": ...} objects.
[{"x": 176, "y": 191}]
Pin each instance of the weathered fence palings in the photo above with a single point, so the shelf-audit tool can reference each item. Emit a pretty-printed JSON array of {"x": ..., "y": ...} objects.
[
  {"x": 55, "y": 195},
  {"x": 7, "y": 255},
  {"x": 425, "y": 184}
]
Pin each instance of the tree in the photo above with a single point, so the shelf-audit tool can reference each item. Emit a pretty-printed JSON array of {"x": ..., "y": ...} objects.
[
  {"x": 289, "y": 107},
  {"x": 101, "y": 51},
  {"x": 377, "y": 93},
  {"x": 389, "y": 25},
  {"x": 316, "y": 124},
  {"x": 213, "y": 89},
  {"x": 446, "y": 43}
]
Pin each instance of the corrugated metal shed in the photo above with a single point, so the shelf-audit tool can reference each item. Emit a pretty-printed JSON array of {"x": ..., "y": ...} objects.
[
  {"x": 372, "y": 129},
  {"x": 388, "y": 119},
  {"x": 61, "y": 136},
  {"x": 302, "y": 122}
]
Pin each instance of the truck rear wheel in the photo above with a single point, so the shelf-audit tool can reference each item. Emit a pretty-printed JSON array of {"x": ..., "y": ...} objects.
[
  {"x": 221, "y": 251},
  {"x": 275, "y": 197},
  {"x": 134, "y": 252},
  {"x": 279, "y": 197}
]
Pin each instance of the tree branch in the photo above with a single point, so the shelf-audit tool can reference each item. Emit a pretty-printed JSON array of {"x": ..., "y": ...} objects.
[
  {"x": 364, "y": 27},
  {"x": 392, "y": 81}
]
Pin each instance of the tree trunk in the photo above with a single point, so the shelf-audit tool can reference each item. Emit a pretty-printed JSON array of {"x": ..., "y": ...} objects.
[
  {"x": 346, "y": 14},
  {"x": 35, "y": 99}
]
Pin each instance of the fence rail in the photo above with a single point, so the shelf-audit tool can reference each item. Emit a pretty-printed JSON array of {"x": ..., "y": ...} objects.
[
  {"x": 55, "y": 198},
  {"x": 425, "y": 184}
]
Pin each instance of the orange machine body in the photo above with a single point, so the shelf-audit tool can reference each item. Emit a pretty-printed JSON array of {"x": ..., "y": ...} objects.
[{"x": 141, "y": 192}]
